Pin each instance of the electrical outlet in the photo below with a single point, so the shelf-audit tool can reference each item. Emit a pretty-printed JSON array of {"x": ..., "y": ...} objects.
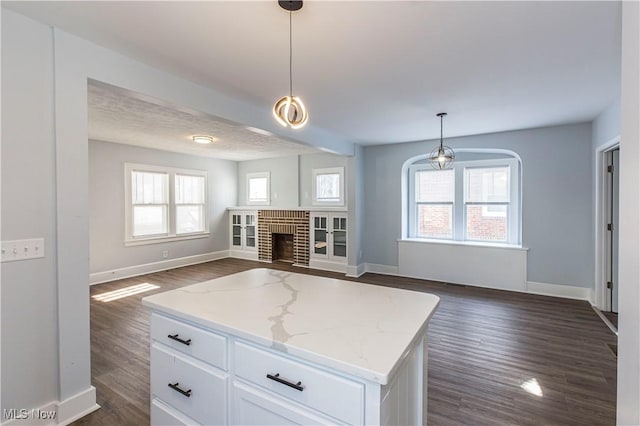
[
  {"x": 165, "y": 253},
  {"x": 22, "y": 249}
]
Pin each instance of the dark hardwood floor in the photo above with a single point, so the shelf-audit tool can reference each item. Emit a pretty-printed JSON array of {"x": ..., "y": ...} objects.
[{"x": 484, "y": 346}]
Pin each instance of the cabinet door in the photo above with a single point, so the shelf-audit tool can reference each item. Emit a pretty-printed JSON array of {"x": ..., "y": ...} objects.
[
  {"x": 254, "y": 407},
  {"x": 236, "y": 230},
  {"x": 339, "y": 229},
  {"x": 163, "y": 415},
  {"x": 320, "y": 232},
  {"x": 250, "y": 236}
]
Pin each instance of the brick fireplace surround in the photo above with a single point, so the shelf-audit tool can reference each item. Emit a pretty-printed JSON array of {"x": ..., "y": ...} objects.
[{"x": 295, "y": 222}]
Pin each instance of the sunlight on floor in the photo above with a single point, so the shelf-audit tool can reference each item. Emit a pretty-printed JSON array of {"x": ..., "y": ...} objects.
[
  {"x": 532, "y": 386},
  {"x": 124, "y": 292}
]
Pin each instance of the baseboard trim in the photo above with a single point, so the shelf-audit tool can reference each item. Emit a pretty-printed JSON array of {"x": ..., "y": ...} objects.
[
  {"x": 65, "y": 412},
  {"x": 79, "y": 405},
  {"x": 557, "y": 290},
  {"x": 148, "y": 268},
  {"x": 241, "y": 254},
  {"x": 376, "y": 268},
  {"x": 356, "y": 271},
  {"x": 328, "y": 266}
]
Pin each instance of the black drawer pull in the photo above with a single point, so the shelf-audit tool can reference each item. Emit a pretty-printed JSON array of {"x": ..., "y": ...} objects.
[
  {"x": 176, "y": 388},
  {"x": 177, "y": 339},
  {"x": 296, "y": 386}
]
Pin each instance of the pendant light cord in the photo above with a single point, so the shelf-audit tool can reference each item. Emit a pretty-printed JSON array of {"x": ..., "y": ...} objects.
[
  {"x": 441, "y": 117},
  {"x": 290, "y": 59}
]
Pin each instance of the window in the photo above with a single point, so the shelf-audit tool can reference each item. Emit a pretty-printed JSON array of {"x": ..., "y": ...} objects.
[
  {"x": 473, "y": 201},
  {"x": 150, "y": 201},
  {"x": 434, "y": 202},
  {"x": 328, "y": 186},
  {"x": 189, "y": 204},
  {"x": 258, "y": 189},
  {"x": 487, "y": 202},
  {"x": 164, "y": 203}
]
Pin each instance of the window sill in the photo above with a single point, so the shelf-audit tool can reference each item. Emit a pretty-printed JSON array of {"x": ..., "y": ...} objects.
[
  {"x": 463, "y": 243},
  {"x": 164, "y": 239}
]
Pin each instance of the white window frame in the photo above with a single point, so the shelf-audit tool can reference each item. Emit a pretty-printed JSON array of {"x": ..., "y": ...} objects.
[
  {"x": 129, "y": 239},
  {"x": 327, "y": 171},
  {"x": 259, "y": 175},
  {"x": 459, "y": 206}
]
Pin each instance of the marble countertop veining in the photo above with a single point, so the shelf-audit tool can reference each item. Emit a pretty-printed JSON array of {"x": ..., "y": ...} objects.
[{"x": 359, "y": 329}]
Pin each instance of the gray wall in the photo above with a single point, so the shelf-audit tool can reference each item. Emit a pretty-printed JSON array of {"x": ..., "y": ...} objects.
[
  {"x": 317, "y": 161},
  {"x": 29, "y": 355},
  {"x": 556, "y": 198},
  {"x": 106, "y": 205},
  {"x": 291, "y": 177},
  {"x": 355, "y": 198},
  {"x": 606, "y": 125},
  {"x": 283, "y": 180}
]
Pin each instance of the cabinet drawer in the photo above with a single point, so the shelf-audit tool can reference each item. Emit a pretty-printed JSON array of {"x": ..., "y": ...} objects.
[
  {"x": 196, "y": 342},
  {"x": 163, "y": 415},
  {"x": 328, "y": 393},
  {"x": 252, "y": 407},
  {"x": 197, "y": 390}
]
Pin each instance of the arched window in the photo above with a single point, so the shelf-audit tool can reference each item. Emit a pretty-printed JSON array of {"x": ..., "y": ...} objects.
[{"x": 477, "y": 200}]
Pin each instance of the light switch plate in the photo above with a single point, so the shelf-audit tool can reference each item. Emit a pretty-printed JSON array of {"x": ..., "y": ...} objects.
[{"x": 22, "y": 249}]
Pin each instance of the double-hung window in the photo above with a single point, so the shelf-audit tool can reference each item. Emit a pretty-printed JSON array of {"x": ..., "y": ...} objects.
[
  {"x": 487, "y": 203},
  {"x": 150, "y": 203},
  {"x": 190, "y": 206},
  {"x": 434, "y": 201},
  {"x": 164, "y": 203},
  {"x": 474, "y": 201}
]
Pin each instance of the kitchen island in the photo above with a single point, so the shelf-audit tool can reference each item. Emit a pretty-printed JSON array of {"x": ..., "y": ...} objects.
[{"x": 267, "y": 347}]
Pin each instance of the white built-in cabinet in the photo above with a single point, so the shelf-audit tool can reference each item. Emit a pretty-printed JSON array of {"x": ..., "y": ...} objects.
[
  {"x": 328, "y": 245},
  {"x": 244, "y": 234}
]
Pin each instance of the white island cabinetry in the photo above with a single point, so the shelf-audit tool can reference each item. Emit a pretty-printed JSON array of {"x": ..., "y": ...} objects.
[{"x": 266, "y": 347}]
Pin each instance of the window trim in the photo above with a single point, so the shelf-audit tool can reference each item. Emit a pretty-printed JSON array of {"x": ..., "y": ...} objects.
[
  {"x": 514, "y": 220},
  {"x": 255, "y": 175},
  {"x": 327, "y": 171},
  {"x": 129, "y": 239}
]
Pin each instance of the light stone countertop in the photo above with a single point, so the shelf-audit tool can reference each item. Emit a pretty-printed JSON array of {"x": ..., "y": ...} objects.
[{"x": 359, "y": 329}]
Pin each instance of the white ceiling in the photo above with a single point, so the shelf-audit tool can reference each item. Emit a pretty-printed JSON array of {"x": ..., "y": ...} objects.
[{"x": 376, "y": 72}]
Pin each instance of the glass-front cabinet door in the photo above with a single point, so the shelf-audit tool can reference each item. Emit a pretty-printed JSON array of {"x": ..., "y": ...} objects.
[
  {"x": 329, "y": 236},
  {"x": 244, "y": 231},
  {"x": 250, "y": 230},
  {"x": 340, "y": 237},
  {"x": 320, "y": 233},
  {"x": 236, "y": 230}
]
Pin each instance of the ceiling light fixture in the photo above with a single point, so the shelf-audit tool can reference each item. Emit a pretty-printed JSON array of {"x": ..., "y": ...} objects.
[
  {"x": 441, "y": 157},
  {"x": 202, "y": 139},
  {"x": 289, "y": 110}
]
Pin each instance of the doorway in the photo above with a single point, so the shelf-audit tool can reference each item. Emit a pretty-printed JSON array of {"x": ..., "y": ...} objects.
[{"x": 611, "y": 205}]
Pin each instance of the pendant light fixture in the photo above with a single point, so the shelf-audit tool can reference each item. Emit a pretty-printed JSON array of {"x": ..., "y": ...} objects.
[
  {"x": 443, "y": 156},
  {"x": 289, "y": 110}
]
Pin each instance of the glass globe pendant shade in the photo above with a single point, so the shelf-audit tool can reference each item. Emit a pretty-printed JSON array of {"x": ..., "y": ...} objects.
[{"x": 442, "y": 157}]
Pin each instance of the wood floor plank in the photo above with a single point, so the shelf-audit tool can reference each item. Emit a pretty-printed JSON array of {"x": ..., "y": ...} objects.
[{"x": 483, "y": 345}]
